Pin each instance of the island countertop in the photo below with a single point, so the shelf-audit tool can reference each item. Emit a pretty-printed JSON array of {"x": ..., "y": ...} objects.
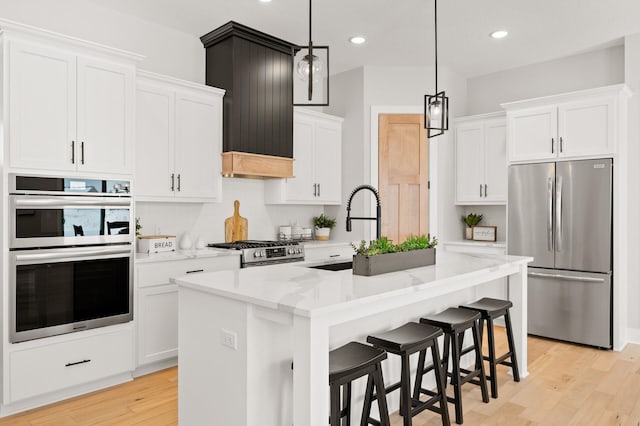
[{"x": 304, "y": 291}]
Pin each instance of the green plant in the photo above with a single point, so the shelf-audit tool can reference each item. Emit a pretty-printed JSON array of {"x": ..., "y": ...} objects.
[
  {"x": 384, "y": 245},
  {"x": 324, "y": 222},
  {"x": 138, "y": 227},
  {"x": 472, "y": 219}
]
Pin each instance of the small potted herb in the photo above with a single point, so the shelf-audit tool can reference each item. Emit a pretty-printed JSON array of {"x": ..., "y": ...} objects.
[
  {"x": 382, "y": 255},
  {"x": 323, "y": 225},
  {"x": 471, "y": 220}
]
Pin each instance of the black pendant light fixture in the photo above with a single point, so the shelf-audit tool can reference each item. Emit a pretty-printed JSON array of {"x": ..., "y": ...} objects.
[
  {"x": 311, "y": 73},
  {"x": 436, "y": 107}
]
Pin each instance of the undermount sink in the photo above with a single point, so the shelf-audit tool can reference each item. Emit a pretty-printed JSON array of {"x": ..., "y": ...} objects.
[{"x": 339, "y": 266}]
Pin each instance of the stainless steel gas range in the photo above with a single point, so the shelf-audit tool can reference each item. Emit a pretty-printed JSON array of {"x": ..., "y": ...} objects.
[{"x": 261, "y": 253}]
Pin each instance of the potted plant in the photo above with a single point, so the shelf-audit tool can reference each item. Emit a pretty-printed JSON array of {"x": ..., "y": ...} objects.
[
  {"x": 323, "y": 226},
  {"x": 471, "y": 220},
  {"x": 381, "y": 256}
]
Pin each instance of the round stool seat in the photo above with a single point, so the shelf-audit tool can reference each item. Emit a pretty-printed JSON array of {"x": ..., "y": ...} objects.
[
  {"x": 452, "y": 319},
  {"x": 351, "y": 358},
  {"x": 489, "y": 307},
  {"x": 405, "y": 337}
]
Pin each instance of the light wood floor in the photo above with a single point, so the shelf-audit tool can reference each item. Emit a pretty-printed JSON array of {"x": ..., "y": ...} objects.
[{"x": 567, "y": 385}]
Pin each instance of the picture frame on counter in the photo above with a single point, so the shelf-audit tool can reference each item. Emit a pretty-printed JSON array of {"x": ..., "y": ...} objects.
[{"x": 485, "y": 233}]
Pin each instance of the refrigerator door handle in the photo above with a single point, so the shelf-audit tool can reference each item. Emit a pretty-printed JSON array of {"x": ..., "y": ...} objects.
[
  {"x": 566, "y": 277},
  {"x": 550, "y": 214},
  {"x": 559, "y": 214}
]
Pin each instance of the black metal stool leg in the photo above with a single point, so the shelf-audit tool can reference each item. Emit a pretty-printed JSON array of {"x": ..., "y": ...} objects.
[
  {"x": 493, "y": 376},
  {"x": 480, "y": 364},
  {"x": 455, "y": 376},
  {"x": 335, "y": 404},
  {"x": 512, "y": 347},
  {"x": 441, "y": 380}
]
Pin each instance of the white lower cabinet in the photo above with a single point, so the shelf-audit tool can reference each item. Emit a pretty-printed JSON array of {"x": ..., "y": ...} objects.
[
  {"x": 343, "y": 252},
  {"x": 157, "y": 306},
  {"x": 43, "y": 369}
]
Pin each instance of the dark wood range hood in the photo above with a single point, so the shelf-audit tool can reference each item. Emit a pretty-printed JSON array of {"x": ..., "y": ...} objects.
[{"x": 256, "y": 71}]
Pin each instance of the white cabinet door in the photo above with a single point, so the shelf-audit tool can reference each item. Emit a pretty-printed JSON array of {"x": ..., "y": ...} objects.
[
  {"x": 158, "y": 323},
  {"x": 469, "y": 162},
  {"x": 198, "y": 143},
  {"x": 42, "y": 107},
  {"x": 301, "y": 186},
  {"x": 533, "y": 134},
  {"x": 495, "y": 161},
  {"x": 105, "y": 116},
  {"x": 154, "y": 141},
  {"x": 587, "y": 127},
  {"x": 327, "y": 161}
]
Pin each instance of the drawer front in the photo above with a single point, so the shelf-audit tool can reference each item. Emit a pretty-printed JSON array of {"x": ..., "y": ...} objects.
[
  {"x": 50, "y": 368},
  {"x": 328, "y": 253},
  {"x": 152, "y": 274},
  {"x": 454, "y": 248}
]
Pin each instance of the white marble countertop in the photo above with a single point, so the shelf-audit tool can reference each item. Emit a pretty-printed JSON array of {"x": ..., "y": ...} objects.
[
  {"x": 184, "y": 254},
  {"x": 308, "y": 292}
]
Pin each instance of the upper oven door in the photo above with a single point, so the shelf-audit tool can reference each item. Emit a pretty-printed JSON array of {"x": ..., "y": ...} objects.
[{"x": 46, "y": 221}]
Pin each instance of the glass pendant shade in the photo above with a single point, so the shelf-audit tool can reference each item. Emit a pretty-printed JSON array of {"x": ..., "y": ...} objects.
[
  {"x": 306, "y": 63},
  {"x": 436, "y": 114}
]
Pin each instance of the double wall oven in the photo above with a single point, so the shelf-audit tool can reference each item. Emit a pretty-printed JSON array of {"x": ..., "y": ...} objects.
[{"x": 71, "y": 255}]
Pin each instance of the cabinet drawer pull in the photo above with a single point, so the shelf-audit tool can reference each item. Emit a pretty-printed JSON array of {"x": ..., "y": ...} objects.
[
  {"x": 71, "y": 364},
  {"x": 334, "y": 255},
  {"x": 195, "y": 270}
]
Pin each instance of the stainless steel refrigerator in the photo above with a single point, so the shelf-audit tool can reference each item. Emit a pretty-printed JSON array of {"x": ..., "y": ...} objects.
[{"x": 561, "y": 214}]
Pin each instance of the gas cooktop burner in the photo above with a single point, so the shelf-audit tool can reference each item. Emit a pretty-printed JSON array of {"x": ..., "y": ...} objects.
[{"x": 247, "y": 244}]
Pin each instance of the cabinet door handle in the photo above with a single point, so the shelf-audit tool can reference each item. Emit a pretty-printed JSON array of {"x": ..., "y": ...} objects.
[
  {"x": 73, "y": 152},
  {"x": 71, "y": 364},
  {"x": 82, "y": 152},
  {"x": 480, "y": 190},
  {"x": 315, "y": 189},
  {"x": 552, "y": 146},
  {"x": 561, "y": 144},
  {"x": 178, "y": 182},
  {"x": 318, "y": 190},
  {"x": 173, "y": 181},
  {"x": 485, "y": 190},
  {"x": 195, "y": 271}
]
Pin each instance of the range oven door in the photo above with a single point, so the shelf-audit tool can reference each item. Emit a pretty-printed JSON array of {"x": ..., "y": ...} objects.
[
  {"x": 51, "y": 221},
  {"x": 62, "y": 290}
]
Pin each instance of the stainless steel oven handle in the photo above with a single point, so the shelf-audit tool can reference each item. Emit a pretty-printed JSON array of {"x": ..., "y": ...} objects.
[
  {"x": 72, "y": 253},
  {"x": 68, "y": 201},
  {"x": 566, "y": 277}
]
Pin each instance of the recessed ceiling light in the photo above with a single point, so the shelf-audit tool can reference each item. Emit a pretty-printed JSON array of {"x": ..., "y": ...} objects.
[
  {"x": 357, "y": 39},
  {"x": 264, "y": 1},
  {"x": 499, "y": 34}
]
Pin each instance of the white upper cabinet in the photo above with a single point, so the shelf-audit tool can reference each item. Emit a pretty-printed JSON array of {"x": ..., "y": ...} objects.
[
  {"x": 317, "y": 166},
  {"x": 481, "y": 162},
  {"x": 576, "y": 125},
  {"x": 69, "y": 111},
  {"x": 179, "y": 140}
]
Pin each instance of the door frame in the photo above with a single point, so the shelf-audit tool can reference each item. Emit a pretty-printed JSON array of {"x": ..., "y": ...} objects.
[{"x": 376, "y": 110}]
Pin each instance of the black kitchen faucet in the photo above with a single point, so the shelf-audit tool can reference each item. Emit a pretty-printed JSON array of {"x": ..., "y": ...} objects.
[{"x": 378, "y": 210}]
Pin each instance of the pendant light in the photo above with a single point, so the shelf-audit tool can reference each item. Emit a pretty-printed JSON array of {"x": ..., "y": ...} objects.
[
  {"x": 311, "y": 67},
  {"x": 436, "y": 107}
]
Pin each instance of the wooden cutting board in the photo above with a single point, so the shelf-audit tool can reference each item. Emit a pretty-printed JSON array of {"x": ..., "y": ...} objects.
[{"x": 236, "y": 227}]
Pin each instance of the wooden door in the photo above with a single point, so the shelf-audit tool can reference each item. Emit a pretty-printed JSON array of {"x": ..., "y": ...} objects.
[{"x": 403, "y": 175}]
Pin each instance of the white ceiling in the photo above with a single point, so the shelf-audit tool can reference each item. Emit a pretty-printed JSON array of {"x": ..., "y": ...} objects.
[{"x": 400, "y": 32}]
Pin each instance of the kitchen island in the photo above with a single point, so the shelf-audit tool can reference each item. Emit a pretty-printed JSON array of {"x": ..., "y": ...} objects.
[{"x": 242, "y": 332}]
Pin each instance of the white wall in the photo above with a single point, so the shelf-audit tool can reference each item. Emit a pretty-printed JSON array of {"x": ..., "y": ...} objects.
[
  {"x": 632, "y": 78},
  {"x": 584, "y": 71},
  {"x": 167, "y": 51}
]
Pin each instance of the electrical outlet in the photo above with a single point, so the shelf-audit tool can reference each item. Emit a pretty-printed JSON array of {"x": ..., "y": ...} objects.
[{"x": 229, "y": 339}]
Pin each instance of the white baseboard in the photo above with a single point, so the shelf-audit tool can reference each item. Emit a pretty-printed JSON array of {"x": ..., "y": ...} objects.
[
  {"x": 633, "y": 335},
  {"x": 155, "y": 366}
]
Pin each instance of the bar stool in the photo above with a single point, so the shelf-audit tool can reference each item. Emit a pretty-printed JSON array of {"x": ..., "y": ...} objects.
[
  {"x": 350, "y": 362},
  {"x": 490, "y": 309},
  {"x": 405, "y": 341},
  {"x": 454, "y": 322}
]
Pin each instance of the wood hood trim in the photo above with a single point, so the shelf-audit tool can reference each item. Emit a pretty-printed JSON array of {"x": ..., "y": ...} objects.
[{"x": 243, "y": 164}]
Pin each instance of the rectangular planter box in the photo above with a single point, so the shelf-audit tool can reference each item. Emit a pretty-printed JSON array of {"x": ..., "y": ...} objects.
[{"x": 392, "y": 262}]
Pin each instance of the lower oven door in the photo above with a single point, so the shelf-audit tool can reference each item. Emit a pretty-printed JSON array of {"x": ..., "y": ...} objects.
[{"x": 56, "y": 291}]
